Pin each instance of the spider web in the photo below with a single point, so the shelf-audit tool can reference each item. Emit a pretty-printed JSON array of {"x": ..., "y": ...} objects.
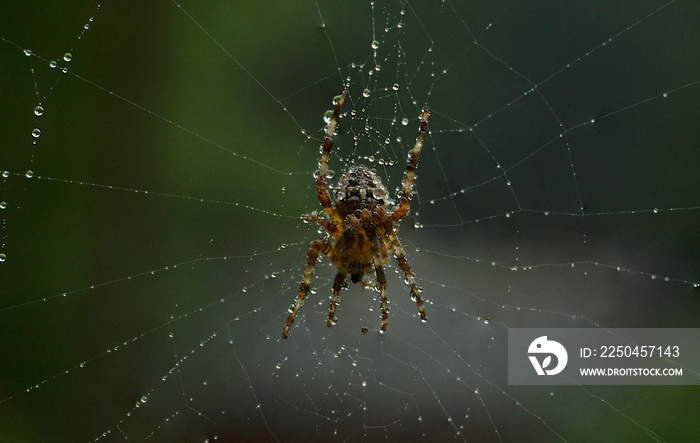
[{"x": 156, "y": 158}]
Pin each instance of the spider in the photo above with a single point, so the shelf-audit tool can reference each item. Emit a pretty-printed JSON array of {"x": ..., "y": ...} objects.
[{"x": 361, "y": 228}]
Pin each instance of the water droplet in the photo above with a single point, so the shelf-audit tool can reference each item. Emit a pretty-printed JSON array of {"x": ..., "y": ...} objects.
[
  {"x": 53, "y": 64},
  {"x": 67, "y": 56},
  {"x": 64, "y": 70},
  {"x": 39, "y": 110},
  {"x": 5, "y": 174},
  {"x": 364, "y": 383},
  {"x": 375, "y": 45},
  {"x": 365, "y": 93},
  {"x": 327, "y": 116},
  {"x": 336, "y": 99},
  {"x": 3, "y": 205},
  {"x": 28, "y": 52},
  {"x": 656, "y": 210},
  {"x": 3, "y": 257},
  {"x": 29, "y": 174},
  {"x": 404, "y": 121},
  {"x": 395, "y": 87},
  {"x": 36, "y": 132},
  {"x": 144, "y": 399}
]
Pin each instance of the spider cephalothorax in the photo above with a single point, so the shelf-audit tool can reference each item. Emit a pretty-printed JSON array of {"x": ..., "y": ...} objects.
[
  {"x": 359, "y": 188},
  {"x": 360, "y": 226}
]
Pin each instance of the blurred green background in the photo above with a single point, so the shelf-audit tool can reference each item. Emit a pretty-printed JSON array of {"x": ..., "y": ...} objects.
[{"x": 158, "y": 242}]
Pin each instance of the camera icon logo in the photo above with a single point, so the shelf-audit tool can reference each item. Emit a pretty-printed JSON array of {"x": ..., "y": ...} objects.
[{"x": 541, "y": 345}]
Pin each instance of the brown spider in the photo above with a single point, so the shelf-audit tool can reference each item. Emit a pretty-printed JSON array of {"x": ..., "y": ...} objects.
[{"x": 362, "y": 228}]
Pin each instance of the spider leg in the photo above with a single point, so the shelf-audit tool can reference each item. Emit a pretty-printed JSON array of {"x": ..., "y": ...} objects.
[
  {"x": 337, "y": 285},
  {"x": 321, "y": 183},
  {"x": 381, "y": 279},
  {"x": 414, "y": 154},
  {"x": 321, "y": 245},
  {"x": 401, "y": 257},
  {"x": 327, "y": 224}
]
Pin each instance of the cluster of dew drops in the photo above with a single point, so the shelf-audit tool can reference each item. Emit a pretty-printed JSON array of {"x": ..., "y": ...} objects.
[
  {"x": 36, "y": 132},
  {"x": 39, "y": 109}
]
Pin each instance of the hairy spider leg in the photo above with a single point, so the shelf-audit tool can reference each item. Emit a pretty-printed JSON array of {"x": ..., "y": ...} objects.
[
  {"x": 321, "y": 179},
  {"x": 371, "y": 228},
  {"x": 381, "y": 279},
  {"x": 372, "y": 223},
  {"x": 337, "y": 286},
  {"x": 414, "y": 154},
  {"x": 401, "y": 257},
  {"x": 321, "y": 245},
  {"x": 327, "y": 224}
]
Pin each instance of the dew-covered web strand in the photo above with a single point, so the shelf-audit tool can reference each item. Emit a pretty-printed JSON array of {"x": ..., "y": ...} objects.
[
  {"x": 119, "y": 347},
  {"x": 564, "y": 135},
  {"x": 161, "y": 194},
  {"x": 536, "y": 88},
  {"x": 242, "y": 67},
  {"x": 365, "y": 127},
  {"x": 336, "y": 386},
  {"x": 68, "y": 57},
  {"x": 40, "y": 109},
  {"x": 43, "y": 92},
  {"x": 183, "y": 128},
  {"x": 151, "y": 272}
]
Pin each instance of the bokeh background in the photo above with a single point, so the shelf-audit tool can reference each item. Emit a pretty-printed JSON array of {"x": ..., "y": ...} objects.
[{"x": 151, "y": 254}]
